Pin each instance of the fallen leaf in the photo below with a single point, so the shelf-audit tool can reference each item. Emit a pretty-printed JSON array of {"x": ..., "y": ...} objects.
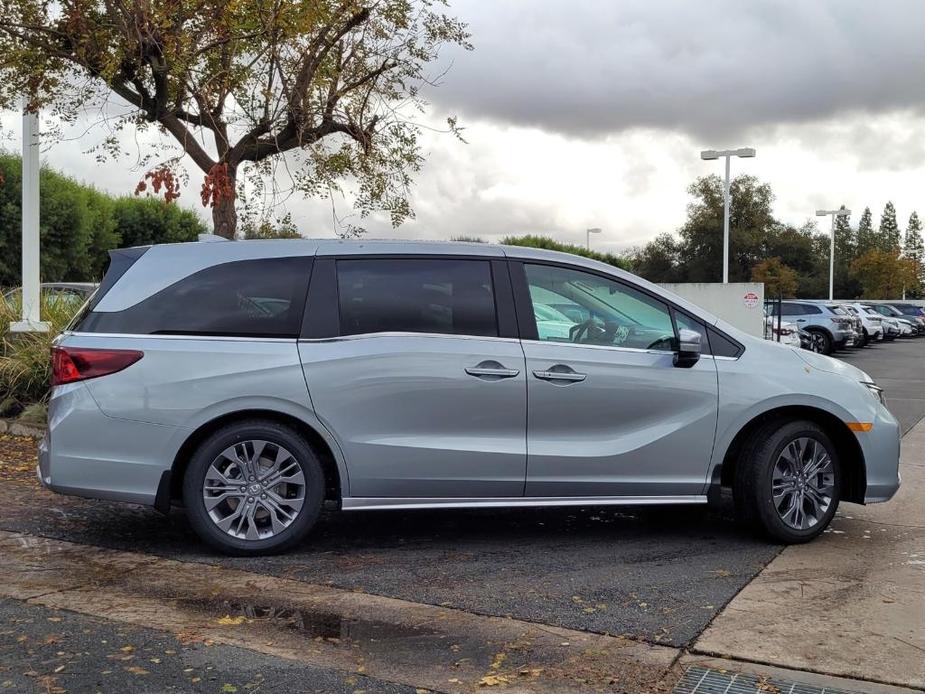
[
  {"x": 493, "y": 680},
  {"x": 228, "y": 620},
  {"x": 135, "y": 670}
]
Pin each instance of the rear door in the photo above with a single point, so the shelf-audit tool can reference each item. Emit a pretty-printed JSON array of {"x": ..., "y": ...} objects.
[
  {"x": 414, "y": 366},
  {"x": 608, "y": 412}
]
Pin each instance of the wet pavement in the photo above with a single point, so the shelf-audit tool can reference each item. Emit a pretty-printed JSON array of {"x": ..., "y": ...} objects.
[
  {"x": 431, "y": 647},
  {"x": 657, "y": 579},
  {"x": 48, "y": 650}
]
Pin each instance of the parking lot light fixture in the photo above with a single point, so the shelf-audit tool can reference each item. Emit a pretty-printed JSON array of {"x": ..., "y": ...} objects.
[
  {"x": 842, "y": 212},
  {"x": 592, "y": 230},
  {"x": 710, "y": 155}
]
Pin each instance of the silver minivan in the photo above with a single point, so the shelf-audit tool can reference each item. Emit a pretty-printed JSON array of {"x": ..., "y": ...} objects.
[{"x": 257, "y": 382}]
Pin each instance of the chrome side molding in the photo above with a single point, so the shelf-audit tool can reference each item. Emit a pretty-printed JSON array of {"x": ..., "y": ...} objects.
[{"x": 406, "y": 503}]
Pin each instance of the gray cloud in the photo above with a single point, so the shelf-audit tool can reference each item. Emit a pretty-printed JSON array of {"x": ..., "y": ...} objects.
[{"x": 711, "y": 68}]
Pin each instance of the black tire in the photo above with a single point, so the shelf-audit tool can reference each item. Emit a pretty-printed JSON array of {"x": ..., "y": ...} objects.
[
  {"x": 823, "y": 339},
  {"x": 249, "y": 430},
  {"x": 865, "y": 338},
  {"x": 752, "y": 487}
]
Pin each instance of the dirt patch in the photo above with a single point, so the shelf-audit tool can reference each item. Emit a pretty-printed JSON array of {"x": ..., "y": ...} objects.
[{"x": 18, "y": 459}]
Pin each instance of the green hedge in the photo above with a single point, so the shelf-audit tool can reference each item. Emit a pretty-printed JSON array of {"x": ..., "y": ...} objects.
[
  {"x": 79, "y": 224},
  {"x": 532, "y": 241},
  {"x": 25, "y": 358}
]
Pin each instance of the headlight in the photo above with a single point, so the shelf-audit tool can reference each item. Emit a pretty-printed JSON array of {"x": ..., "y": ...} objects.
[{"x": 875, "y": 390}]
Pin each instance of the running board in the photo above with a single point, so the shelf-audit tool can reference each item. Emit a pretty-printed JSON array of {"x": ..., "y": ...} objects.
[{"x": 385, "y": 503}]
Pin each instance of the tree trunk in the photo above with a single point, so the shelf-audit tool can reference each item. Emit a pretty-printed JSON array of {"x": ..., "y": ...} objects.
[
  {"x": 224, "y": 215},
  {"x": 224, "y": 218}
]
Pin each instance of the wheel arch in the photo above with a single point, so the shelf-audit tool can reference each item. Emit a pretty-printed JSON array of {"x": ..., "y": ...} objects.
[
  {"x": 334, "y": 481},
  {"x": 854, "y": 469}
]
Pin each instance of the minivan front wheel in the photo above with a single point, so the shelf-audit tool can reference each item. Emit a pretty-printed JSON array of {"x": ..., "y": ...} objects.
[
  {"x": 788, "y": 481},
  {"x": 253, "y": 487}
]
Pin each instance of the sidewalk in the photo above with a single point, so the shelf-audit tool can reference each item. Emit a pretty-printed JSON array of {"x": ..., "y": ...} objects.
[{"x": 850, "y": 604}]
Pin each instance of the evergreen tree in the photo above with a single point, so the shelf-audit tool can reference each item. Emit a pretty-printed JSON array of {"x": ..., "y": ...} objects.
[
  {"x": 889, "y": 239},
  {"x": 914, "y": 248},
  {"x": 846, "y": 250},
  {"x": 865, "y": 236}
]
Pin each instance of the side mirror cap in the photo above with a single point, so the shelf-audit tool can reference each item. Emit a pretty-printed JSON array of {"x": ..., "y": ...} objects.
[{"x": 688, "y": 352}]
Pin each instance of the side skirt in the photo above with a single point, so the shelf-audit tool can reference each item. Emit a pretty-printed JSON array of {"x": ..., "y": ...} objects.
[{"x": 384, "y": 503}]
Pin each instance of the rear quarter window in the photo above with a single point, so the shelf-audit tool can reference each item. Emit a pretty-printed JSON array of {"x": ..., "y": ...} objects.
[{"x": 247, "y": 298}]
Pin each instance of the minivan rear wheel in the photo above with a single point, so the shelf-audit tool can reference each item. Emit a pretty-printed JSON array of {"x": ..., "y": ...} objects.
[
  {"x": 787, "y": 481},
  {"x": 253, "y": 487}
]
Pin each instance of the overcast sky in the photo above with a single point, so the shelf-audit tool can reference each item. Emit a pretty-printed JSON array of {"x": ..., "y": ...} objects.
[{"x": 593, "y": 113}]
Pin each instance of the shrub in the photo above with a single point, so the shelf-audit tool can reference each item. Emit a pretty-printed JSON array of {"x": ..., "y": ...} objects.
[
  {"x": 25, "y": 358},
  {"x": 532, "y": 241}
]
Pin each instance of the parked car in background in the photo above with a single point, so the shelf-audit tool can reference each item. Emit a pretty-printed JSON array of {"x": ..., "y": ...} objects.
[
  {"x": 400, "y": 375},
  {"x": 830, "y": 324},
  {"x": 911, "y": 312},
  {"x": 892, "y": 328},
  {"x": 909, "y": 325},
  {"x": 785, "y": 332},
  {"x": 70, "y": 293},
  {"x": 871, "y": 323}
]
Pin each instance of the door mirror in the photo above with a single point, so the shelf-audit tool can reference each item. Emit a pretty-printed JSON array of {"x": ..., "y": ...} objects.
[{"x": 688, "y": 352}]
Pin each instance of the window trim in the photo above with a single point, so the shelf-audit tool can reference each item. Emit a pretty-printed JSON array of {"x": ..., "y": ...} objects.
[
  {"x": 527, "y": 322},
  {"x": 322, "y": 308}
]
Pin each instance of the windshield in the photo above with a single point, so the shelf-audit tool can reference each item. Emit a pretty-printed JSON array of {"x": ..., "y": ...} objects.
[{"x": 837, "y": 310}]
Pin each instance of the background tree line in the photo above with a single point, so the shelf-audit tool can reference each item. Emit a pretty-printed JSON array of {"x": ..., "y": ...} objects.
[
  {"x": 78, "y": 225},
  {"x": 870, "y": 262}
]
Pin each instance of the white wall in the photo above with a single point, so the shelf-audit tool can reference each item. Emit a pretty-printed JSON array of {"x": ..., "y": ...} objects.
[{"x": 728, "y": 301}]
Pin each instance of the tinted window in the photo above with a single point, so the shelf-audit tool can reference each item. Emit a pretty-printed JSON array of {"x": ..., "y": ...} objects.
[
  {"x": 722, "y": 346},
  {"x": 791, "y": 309},
  {"x": 809, "y": 308},
  {"x": 247, "y": 298},
  {"x": 580, "y": 307},
  {"x": 444, "y": 296}
]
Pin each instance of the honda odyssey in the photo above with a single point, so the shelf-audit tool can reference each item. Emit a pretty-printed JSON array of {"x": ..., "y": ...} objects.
[{"x": 257, "y": 382}]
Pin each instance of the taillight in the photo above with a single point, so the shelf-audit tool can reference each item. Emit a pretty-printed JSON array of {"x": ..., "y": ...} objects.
[{"x": 70, "y": 364}]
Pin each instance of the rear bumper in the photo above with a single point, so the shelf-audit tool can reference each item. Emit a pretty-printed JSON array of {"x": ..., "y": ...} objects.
[{"x": 87, "y": 453}]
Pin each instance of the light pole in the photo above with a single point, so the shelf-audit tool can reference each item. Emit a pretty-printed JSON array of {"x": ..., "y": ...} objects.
[
  {"x": 710, "y": 154},
  {"x": 31, "y": 288},
  {"x": 592, "y": 230},
  {"x": 834, "y": 213}
]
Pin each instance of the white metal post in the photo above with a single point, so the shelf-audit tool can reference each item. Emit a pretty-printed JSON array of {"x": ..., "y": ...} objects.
[
  {"x": 832, "y": 261},
  {"x": 31, "y": 289},
  {"x": 726, "y": 225}
]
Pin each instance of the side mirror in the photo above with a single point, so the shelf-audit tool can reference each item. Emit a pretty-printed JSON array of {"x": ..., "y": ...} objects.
[{"x": 688, "y": 352}]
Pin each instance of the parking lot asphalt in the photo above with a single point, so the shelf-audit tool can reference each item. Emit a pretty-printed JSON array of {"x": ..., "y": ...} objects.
[
  {"x": 658, "y": 575},
  {"x": 898, "y": 367}
]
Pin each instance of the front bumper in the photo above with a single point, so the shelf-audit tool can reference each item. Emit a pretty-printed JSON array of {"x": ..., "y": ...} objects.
[{"x": 881, "y": 447}]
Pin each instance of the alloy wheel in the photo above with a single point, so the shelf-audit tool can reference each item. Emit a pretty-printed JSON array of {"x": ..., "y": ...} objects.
[
  {"x": 254, "y": 490},
  {"x": 803, "y": 483}
]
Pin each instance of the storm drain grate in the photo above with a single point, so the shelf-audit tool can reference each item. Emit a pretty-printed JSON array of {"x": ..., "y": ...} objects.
[{"x": 702, "y": 680}]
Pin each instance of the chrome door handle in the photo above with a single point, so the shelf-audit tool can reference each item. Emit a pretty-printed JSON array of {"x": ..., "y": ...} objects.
[
  {"x": 491, "y": 369},
  {"x": 560, "y": 376}
]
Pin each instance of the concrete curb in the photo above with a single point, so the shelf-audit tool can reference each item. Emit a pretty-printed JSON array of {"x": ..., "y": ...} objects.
[{"x": 11, "y": 426}]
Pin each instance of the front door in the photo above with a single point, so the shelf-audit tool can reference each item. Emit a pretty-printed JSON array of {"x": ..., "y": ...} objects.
[
  {"x": 422, "y": 390},
  {"x": 609, "y": 414}
]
